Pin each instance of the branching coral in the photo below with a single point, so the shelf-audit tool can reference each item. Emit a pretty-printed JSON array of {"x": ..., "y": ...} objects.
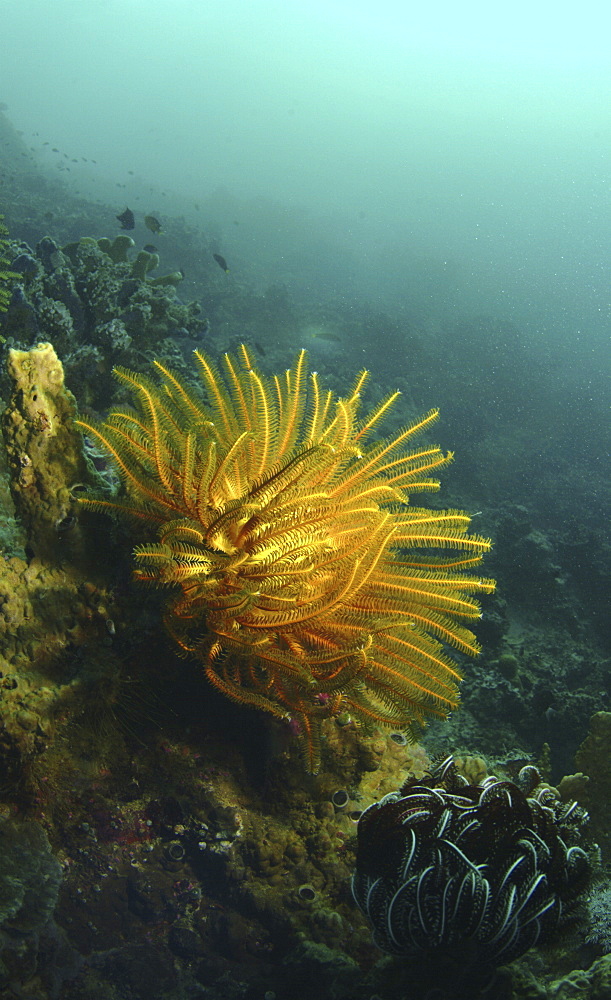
[{"x": 305, "y": 582}]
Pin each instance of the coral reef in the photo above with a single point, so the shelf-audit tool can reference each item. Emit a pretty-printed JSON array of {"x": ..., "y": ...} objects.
[
  {"x": 97, "y": 308},
  {"x": 594, "y": 760},
  {"x": 307, "y": 586},
  {"x": 180, "y": 853},
  {"x": 185, "y": 870},
  {"x": 30, "y": 878},
  {"x": 591, "y": 984},
  {"x": 212, "y": 864},
  {"x": 7, "y": 276},
  {"x": 534, "y": 686},
  {"x": 199, "y": 860},
  {"x": 51, "y": 608}
]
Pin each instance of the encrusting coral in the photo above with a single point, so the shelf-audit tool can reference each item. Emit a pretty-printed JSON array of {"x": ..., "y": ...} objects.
[
  {"x": 53, "y": 602},
  {"x": 306, "y": 583},
  {"x": 7, "y": 277},
  {"x": 592, "y": 785},
  {"x": 44, "y": 450}
]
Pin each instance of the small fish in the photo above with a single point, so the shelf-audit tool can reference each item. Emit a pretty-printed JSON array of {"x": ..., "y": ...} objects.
[
  {"x": 127, "y": 219},
  {"x": 150, "y": 248},
  {"x": 321, "y": 334},
  {"x": 258, "y": 348},
  {"x": 152, "y": 223},
  {"x": 222, "y": 263}
]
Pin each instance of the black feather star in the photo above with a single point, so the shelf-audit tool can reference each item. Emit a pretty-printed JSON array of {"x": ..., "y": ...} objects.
[{"x": 459, "y": 877}]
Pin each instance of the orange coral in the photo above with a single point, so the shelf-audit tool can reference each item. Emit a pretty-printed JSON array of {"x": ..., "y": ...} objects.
[{"x": 305, "y": 582}]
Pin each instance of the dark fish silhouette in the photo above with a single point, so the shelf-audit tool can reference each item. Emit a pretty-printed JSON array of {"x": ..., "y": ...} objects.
[
  {"x": 150, "y": 248},
  {"x": 152, "y": 223},
  {"x": 127, "y": 219},
  {"x": 222, "y": 263}
]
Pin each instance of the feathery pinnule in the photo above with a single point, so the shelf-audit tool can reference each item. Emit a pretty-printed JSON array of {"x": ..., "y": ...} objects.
[{"x": 300, "y": 575}]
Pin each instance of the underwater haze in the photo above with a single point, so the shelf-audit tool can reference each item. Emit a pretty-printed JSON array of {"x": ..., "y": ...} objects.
[
  {"x": 455, "y": 156},
  {"x": 213, "y": 217}
]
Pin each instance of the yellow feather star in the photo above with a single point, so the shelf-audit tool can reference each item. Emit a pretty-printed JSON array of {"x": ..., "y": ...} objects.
[{"x": 303, "y": 579}]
